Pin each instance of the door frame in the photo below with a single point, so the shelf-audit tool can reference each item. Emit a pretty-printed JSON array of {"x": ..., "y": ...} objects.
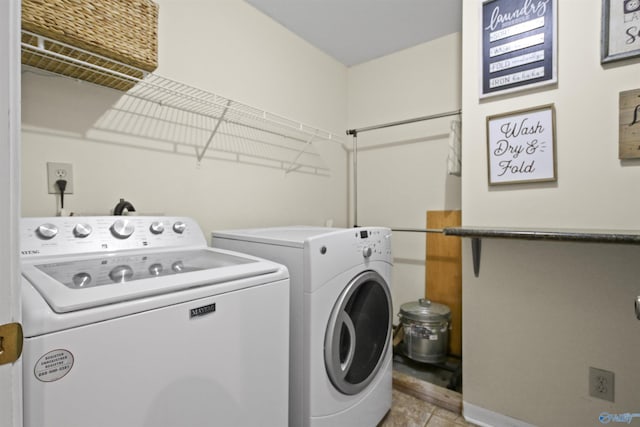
[{"x": 10, "y": 122}]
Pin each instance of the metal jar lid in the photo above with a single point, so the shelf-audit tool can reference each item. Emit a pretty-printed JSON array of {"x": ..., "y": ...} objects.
[{"x": 424, "y": 310}]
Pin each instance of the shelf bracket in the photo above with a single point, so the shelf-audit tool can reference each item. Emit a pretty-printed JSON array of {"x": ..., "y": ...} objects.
[
  {"x": 294, "y": 163},
  {"x": 213, "y": 133},
  {"x": 476, "y": 245}
]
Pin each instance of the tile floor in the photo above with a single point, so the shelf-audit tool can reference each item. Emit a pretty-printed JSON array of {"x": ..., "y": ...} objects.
[{"x": 408, "y": 411}]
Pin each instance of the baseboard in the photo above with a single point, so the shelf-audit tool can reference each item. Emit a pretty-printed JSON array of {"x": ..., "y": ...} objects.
[
  {"x": 486, "y": 418},
  {"x": 436, "y": 395}
]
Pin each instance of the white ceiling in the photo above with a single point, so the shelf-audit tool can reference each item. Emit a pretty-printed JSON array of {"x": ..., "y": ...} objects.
[{"x": 356, "y": 31}]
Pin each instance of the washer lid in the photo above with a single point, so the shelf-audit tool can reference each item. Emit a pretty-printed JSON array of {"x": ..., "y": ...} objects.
[{"x": 77, "y": 284}]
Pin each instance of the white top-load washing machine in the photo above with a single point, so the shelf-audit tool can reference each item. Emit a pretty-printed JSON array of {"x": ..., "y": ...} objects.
[
  {"x": 341, "y": 371},
  {"x": 134, "y": 321}
]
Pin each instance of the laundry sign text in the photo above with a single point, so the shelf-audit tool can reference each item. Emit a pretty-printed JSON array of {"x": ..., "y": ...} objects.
[
  {"x": 518, "y": 45},
  {"x": 521, "y": 146}
]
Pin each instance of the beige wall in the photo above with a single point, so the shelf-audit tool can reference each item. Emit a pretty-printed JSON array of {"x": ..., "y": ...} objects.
[
  {"x": 229, "y": 48},
  {"x": 226, "y": 47},
  {"x": 541, "y": 313},
  {"x": 402, "y": 171}
]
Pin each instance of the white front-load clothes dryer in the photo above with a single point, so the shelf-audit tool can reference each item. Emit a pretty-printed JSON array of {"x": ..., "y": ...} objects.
[{"x": 340, "y": 330}]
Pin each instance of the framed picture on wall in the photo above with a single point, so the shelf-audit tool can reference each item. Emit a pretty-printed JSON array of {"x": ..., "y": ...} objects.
[
  {"x": 629, "y": 125},
  {"x": 519, "y": 45},
  {"x": 620, "y": 30},
  {"x": 521, "y": 146}
]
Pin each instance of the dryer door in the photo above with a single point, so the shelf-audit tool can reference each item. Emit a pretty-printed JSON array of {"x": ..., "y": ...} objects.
[{"x": 359, "y": 333}]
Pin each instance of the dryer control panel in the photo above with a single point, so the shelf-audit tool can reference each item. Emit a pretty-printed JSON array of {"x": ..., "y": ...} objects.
[
  {"x": 348, "y": 251},
  {"x": 353, "y": 246},
  {"x": 373, "y": 242},
  {"x": 79, "y": 235}
]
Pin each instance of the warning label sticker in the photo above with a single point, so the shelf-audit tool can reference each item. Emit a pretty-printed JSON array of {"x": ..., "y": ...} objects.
[{"x": 53, "y": 365}]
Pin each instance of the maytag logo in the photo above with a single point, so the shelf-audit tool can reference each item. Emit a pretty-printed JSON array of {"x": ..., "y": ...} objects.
[
  {"x": 201, "y": 311},
  {"x": 32, "y": 252}
]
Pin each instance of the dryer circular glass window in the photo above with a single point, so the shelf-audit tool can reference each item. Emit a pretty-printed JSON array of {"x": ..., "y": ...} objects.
[{"x": 358, "y": 333}]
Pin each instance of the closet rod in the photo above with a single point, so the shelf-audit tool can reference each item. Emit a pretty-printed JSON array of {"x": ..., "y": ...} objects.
[
  {"x": 355, "y": 132},
  {"x": 420, "y": 230}
]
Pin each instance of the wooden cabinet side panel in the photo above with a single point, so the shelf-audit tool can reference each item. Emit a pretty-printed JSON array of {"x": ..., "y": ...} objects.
[{"x": 443, "y": 272}]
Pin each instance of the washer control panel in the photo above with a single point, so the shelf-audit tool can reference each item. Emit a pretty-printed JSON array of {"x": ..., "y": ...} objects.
[{"x": 77, "y": 235}]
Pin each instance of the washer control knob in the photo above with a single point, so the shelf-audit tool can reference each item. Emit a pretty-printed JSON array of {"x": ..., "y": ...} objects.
[
  {"x": 155, "y": 269},
  {"x": 366, "y": 251},
  {"x": 47, "y": 231},
  {"x": 179, "y": 227},
  {"x": 157, "y": 227},
  {"x": 82, "y": 230},
  {"x": 121, "y": 274},
  {"x": 81, "y": 280},
  {"x": 122, "y": 228}
]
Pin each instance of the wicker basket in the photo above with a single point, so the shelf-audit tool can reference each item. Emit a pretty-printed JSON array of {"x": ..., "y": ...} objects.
[{"x": 123, "y": 30}]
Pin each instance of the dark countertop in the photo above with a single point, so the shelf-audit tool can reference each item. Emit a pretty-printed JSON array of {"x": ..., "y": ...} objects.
[{"x": 557, "y": 234}]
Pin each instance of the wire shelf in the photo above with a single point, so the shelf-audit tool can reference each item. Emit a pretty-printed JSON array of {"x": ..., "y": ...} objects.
[{"x": 157, "y": 108}]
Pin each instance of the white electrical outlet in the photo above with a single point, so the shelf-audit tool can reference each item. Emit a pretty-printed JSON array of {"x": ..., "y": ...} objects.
[
  {"x": 601, "y": 384},
  {"x": 58, "y": 171}
]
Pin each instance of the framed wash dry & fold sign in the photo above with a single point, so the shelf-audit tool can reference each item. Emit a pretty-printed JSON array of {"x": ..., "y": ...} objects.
[
  {"x": 620, "y": 30},
  {"x": 521, "y": 146},
  {"x": 519, "y": 51}
]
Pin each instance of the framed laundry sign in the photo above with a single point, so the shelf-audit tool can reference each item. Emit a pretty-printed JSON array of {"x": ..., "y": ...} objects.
[
  {"x": 620, "y": 30},
  {"x": 521, "y": 146},
  {"x": 519, "y": 51}
]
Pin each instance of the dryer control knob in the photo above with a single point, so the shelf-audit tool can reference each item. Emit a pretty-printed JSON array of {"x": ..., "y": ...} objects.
[
  {"x": 47, "y": 231},
  {"x": 367, "y": 251},
  {"x": 157, "y": 227},
  {"x": 82, "y": 230},
  {"x": 179, "y": 227},
  {"x": 122, "y": 228}
]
